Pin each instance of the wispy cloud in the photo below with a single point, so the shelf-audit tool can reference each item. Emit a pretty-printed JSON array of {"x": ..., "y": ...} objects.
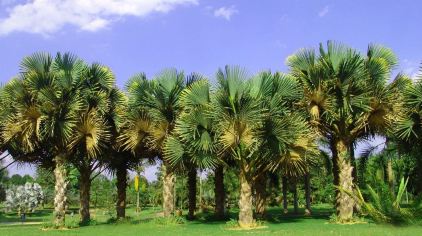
[
  {"x": 49, "y": 16},
  {"x": 226, "y": 12},
  {"x": 280, "y": 44},
  {"x": 324, "y": 11},
  {"x": 411, "y": 68}
]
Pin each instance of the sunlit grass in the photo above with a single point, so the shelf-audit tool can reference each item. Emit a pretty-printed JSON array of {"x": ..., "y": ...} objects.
[{"x": 144, "y": 224}]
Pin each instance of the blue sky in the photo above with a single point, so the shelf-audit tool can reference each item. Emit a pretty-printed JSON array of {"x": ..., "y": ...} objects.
[{"x": 134, "y": 36}]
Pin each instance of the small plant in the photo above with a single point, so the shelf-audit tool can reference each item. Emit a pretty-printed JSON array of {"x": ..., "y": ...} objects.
[
  {"x": 355, "y": 220},
  {"x": 71, "y": 223},
  {"x": 232, "y": 223},
  {"x": 171, "y": 220},
  {"x": 91, "y": 222},
  {"x": 333, "y": 218}
]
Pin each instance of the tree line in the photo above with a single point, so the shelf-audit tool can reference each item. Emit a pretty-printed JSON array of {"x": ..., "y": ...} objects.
[{"x": 60, "y": 111}]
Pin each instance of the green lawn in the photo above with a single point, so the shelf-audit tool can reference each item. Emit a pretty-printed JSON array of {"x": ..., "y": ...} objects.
[{"x": 144, "y": 224}]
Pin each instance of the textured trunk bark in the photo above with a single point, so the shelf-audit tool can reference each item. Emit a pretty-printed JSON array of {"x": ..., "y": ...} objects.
[
  {"x": 308, "y": 194},
  {"x": 295, "y": 200},
  {"x": 353, "y": 162},
  {"x": 219, "y": 192},
  {"x": 260, "y": 195},
  {"x": 168, "y": 195},
  {"x": 192, "y": 192},
  {"x": 121, "y": 184},
  {"x": 284, "y": 188},
  {"x": 345, "y": 203},
  {"x": 60, "y": 199},
  {"x": 335, "y": 159},
  {"x": 84, "y": 195},
  {"x": 245, "y": 202}
]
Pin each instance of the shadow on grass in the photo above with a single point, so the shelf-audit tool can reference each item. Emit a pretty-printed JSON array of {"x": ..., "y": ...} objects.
[
  {"x": 210, "y": 219},
  {"x": 274, "y": 215},
  {"x": 36, "y": 216}
]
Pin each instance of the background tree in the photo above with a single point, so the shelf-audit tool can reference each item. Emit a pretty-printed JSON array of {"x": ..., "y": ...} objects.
[
  {"x": 254, "y": 115},
  {"x": 133, "y": 137},
  {"x": 409, "y": 131},
  {"x": 192, "y": 145},
  {"x": 156, "y": 105},
  {"x": 287, "y": 142}
]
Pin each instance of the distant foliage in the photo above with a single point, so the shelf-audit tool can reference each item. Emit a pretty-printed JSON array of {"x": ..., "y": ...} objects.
[
  {"x": 24, "y": 198},
  {"x": 2, "y": 193}
]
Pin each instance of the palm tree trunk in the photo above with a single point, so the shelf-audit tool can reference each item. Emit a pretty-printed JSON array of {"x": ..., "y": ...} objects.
[
  {"x": 308, "y": 194},
  {"x": 335, "y": 159},
  {"x": 245, "y": 201},
  {"x": 389, "y": 171},
  {"x": 260, "y": 195},
  {"x": 201, "y": 205},
  {"x": 168, "y": 187},
  {"x": 284, "y": 189},
  {"x": 390, "y": 174},
  {"x": 138, "y": 207},
  {"x": 344, "y": 203},
  {"x": 84, "y": 195},
  {"x": 295, "y": 199},
  {"x": 219, "y": 192},
  {"x": 121, "y": 184},
  {"x": 60, "y": 199},
  {"x": 192, "y": 192}
]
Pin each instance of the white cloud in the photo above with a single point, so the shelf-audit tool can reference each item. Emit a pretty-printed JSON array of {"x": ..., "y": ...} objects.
[
  {"x": 226, "y": 12},
  {"x": 324, "y": 11},
  {"x": 49, "y": 16}
]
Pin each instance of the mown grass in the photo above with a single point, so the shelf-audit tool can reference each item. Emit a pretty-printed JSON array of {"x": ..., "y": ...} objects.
[{"x": 145, "y": 224}]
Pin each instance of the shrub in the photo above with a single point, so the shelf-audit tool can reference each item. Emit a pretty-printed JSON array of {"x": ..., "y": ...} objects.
[
  {"x": 24, "y": 198},
  {"x": 382, "y": 204}
]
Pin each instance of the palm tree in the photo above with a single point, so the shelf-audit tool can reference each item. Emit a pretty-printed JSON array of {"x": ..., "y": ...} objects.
[
  {"x": 115, "y": 159},
  {"x": 287, "y": 143},
  {"x": 155, "y": 106},
  {"x": 47, "y": 114},
  {"x": 238, "y": 119},
  {"x": 256, "y": 126},
  {"x": 132, "y": 138},
  {"x": 192, "y": 144},
  {"x": 348, "y": 98},
  {"x": 102, "y": 102},
  {"x": 409, "y": 129}
]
